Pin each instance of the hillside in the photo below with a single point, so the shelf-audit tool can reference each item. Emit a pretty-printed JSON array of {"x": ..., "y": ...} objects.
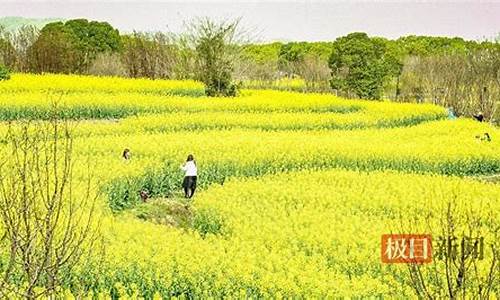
[{"x": 14, "y": 23}]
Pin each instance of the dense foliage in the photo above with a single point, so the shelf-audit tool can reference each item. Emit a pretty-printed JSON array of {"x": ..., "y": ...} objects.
[
  {"x": 214, "y": 44},
  {"x": 71, "y": 46},
  {"x": 4, "y": 73},
  {"x": 358, "y": 65}
]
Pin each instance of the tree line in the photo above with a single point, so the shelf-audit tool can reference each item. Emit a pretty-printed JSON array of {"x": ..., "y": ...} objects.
[{"x": 448, "y": 71}]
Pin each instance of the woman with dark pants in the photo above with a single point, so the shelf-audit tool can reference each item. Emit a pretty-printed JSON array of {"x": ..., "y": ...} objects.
[{"x": 189, "y": 183}]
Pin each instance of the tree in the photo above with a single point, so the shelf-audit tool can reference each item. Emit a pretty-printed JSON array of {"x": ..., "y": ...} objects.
[
  {"x": 7, "y": 51},
  {"x": 394, "y": 61},
  {"x": 293, "y": 54},
  {"x": 467, "y": 83},
  {"x": 93, "y": 38},
  {"x": 258, "y": 63},
  {"x": 55, "y": 50},
  {"x": 358, "y": 66},
  {"x": 467, "y": 257},
  {"x": 315, "y": 72},
  {"x": 22, "y": 40},
  {"x": 151, "y": 55},
  {"x": 71, "y": 47},
  {"x": 216, "y": 49},
  {"x": 45, "y": 226},
  {"x": 108, "y": 64},
  {"x": 290, "y": 55}
]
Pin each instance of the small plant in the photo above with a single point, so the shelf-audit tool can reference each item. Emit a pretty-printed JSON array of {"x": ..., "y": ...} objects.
[
  {"x": 208, "y": 222},
  {"x": 4, "y": 73}
]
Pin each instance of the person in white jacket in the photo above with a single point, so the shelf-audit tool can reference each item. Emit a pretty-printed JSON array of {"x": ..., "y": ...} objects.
[{"x": 190, "y": 177}]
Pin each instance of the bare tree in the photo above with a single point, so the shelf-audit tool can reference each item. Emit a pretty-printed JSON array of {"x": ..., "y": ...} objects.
[
  {"x": 45, "y": 225},
  {"x": 151, "y": 55},
  {"x": 108, "y": 64},
  {"x": 249, "y": 69},
  {"x": 7, "y": 51},
  {"x": 22, "y": 40},
  {"x": 466, "y": 254},
  {"x": 315, "y": 72},
  {"x": 468, "y": 83}
]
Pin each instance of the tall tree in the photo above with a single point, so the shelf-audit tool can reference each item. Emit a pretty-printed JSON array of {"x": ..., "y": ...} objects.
[
  {"x": 7, "y": 51},
  {"x": 151, "y": 55},
  {"x": 358, "y": 66},
  {"x": 72, "y": 46},
  {"x": 92, "y": 38},
  {"x": 217, "y": 48},
  {"x": 55, "y": 50}
]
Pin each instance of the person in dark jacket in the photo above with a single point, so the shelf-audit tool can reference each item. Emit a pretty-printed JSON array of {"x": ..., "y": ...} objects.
[
  {"x": 126, "y": 154},
  {"x": 479, "y": 116}
]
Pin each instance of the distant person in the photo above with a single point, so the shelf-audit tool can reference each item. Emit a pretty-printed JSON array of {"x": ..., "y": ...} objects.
[
  {"x": 451, "y": 113},
  {"x": 144, "y": 195},
  {"x": 126, "y": 154},
  {"x": 479, "y": 116},
  {"x": 485, "y": 137},
  {"x": 190, "y": 177}
]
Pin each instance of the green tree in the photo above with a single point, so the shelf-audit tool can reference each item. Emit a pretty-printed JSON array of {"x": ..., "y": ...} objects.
[
  {"x": 260, "y": 62},
  {"x": 71, "y": 47},
  {"x": 92, "y": 38},
  {"x": 293, "y": 52},
  {"x": 216, "y": 47},
  {"x": 429, "y": 45},
  {"x": 358, "y": 65},
  {"x": 55, "y": 50},
  {"x": 394, "y": 60},
  {"x": 262, "y": 53}
]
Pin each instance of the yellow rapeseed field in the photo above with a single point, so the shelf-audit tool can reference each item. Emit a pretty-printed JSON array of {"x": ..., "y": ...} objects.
[{"x": 295, "y": 190}]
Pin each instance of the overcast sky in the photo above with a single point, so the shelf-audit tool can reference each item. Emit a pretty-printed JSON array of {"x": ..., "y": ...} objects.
[{"x": 284, "y": 20}]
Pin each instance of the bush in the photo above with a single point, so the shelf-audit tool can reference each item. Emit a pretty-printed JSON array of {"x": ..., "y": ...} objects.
[
  {"x": 4, "y": 73},
  {"x": 108, "y": 64},
  {"x": 221, "y": 89},
  {"x": 216, "y": 52},
  {"x": 208, "y": 221}
]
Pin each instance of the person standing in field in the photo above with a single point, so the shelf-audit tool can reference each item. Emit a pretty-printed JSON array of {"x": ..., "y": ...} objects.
[
  {"x": 451, "y": 113},
  {"x": 479, "y": 116},
  {"x": 190, "y": 177},
  {"x": 126, "y": 154}
]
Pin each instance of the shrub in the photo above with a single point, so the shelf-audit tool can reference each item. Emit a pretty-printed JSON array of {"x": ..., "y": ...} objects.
[
  {"x": 4, "y": 73},
  {"x": 108, "y": 64},
  {"x": 214, "y": 44},
  {"x": 208, "y": 221}
]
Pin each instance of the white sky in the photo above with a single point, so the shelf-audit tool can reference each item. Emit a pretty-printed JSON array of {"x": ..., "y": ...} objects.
[{"x": 283, "y": 20}]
